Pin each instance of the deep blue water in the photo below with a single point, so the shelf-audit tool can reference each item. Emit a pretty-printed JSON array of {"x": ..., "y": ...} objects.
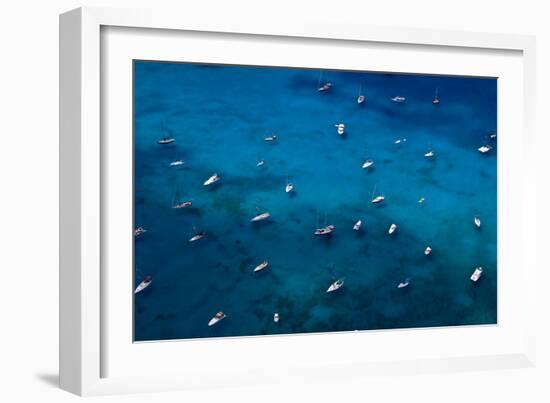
[{"x": 219, "y": 116}]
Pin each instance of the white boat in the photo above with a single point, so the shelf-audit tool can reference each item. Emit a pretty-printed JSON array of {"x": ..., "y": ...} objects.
[
  {"x": 477, "y": 222},
  {"x": 476, "y": 274},
  {"x": 392, "y": 229},
  {"x": 261, "y": 266},
  {"x": 271, "y": 138},
  {"x": 260, "y": 163},
  {"x": 289, "y": 187},
  {"x": 429, "y": 154},
  {"x": 183, "y": 204},
  {"x": 360, "y": 99},
  {"x": 436, "y": 100},
  {"x": 197, "y": 236},
  {"x": 427, "y": 251},
  {"x": 177, "y": 163},
  {"x": 404, "y": 284},
  {"x": 336, "y": 285},
  {"x": 276, "y": 317},
  {"x": 399, "y": 141},
  {"x": 324, "y": 87},
  {"x": 421, "y": 200},
  {"x": 340, "y": 128},
  {"x": 357, "y": 225},
  {"x": 139, "y": 231},
  {"x": 485, "y": 149},
  {"x": 144, "y": 284},
  {"x": 216, "y": 318},
  {"x": 166, "y": 140},
  {"x": 398, "y": 99},
  {"x": 378, "y": 199},
  {"x": 367, "y": 164},
  {"x": 493, "y": 136},
  {"x": 213, "y": 179},
  {"x": 325, "y": 230},
  {"x": 260, "y": 217}
]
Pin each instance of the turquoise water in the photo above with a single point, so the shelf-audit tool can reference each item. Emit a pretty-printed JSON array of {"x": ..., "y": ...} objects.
[{"x": 219, "y": 116}]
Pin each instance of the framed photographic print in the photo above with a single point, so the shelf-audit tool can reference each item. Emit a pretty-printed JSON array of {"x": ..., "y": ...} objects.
[{"x": 238, "y": 201}]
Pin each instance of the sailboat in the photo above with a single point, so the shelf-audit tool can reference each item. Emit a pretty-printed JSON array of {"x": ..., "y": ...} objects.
[
  {"x": 144, "y": 284},
  {"x": 260, "y": 217},
  {"x": 477, "y": 222},
  {"x": 336, "y": 285},
  {"x": 216, "y": 318},
  {"x": 276, "y": 317},
  {"x": 367, "y": 164},
  {"x": 325, "y": 86},
  {"x": 476, "y": 274},
  {"x": 377, "y": 199},
  {"x": 404, "y": 284},
  {"x": 360, "y": 97},
  {"x": 399, "y": 141},
  {"x": 177, "y": 163},
  {"x": 213, "y": 179},
  {"x": 261, "y": 266},
  {"x": 392, "y": 229},
  {"x": 260, "y": 163},
  {"x": 398, "y": 99},
  {"x": 436, "y": 100},
  {"x": 429, "y": 154},
  {"x": 326, "y": 230},
  {"x": 289, "y": 186},
  {"x": 428, "y": 250},
  {"x": 184, "y": 204},
  {"x": 139, "y": 231},
  {"x": 197, "y": 236},
  {"x": 271, "y": 138},
  {"x": 165, "y": 139},
  {"x": 357, "y": 225},
  {"x": 485, "y": 149},
  {"x": 340, "y": 128}
]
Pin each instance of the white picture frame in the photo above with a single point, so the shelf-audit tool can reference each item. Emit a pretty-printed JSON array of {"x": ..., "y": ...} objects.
[{"x": 83, "y": 306}]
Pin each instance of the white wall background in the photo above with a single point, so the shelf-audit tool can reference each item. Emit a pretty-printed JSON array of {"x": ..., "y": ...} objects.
[{"x": 29, "y": 201}]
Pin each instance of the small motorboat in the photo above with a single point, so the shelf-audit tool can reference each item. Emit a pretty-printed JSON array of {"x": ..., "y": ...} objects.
[
  {"x": 271, "y": 138},
  {"x": 485, "y": 149},
  {"x": 324, "y": 87},
  {"x": 336, "y": 285},
  {"x": 139, "y": 231},
  {"x": 276, "y": 317},
  {"x": 325, "y": 230},
  {"x": 367, "y": 164},
  {"x": 360, "y": 99},
  {"x": 398, "y": 99},
  {"x": 430, "y": 154},
  {"x": 477, "y": 222},
  {"x": 399, "y": 141},
  {"x": 213, "y": 179},
  {"x": 177, "y": 163},
  {"x": 144, "y": 284},
  {"x": 421, "y": 200},
  {"x": 493, "y": 136},
  {"x": 184, "y": 204},
  {"x": 260, "y": 217},
  {"x": 260, "y": 163},
  {"x": 197, "y": 236},
  {"x": 476, "y": 274},
  {"x": 357, "y": 225},
  {"x": 378, "y": 199},
  {"x": 428, "y": 250},
  {"x": 436, "y": 100},
  {"x": 166, "y": 140},
  {"x": 261, "y": 266},
  {"x": 289, "y": 187},
  {"x": 217, "y": 317},
  {"x": 404, "y": 284},
  {"x": 340, "y": 128},
  {"x": 392, "y": 229}
]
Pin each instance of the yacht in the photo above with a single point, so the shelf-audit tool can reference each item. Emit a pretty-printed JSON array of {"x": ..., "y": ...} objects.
[
  {"x": 340, "y": 128},
  {"x": 398, "y": 99},
  {"x": 360, "y": 99},
  {"x": 213, "y": 179},
  {"x": 485, "y": 149},
  {"x": 378, "y": 199},
  {"x": 357, "y": 225},
  {"x": 477, "y": 222},
  {"x": 260, "y": 217},
  {"x": 276, "y": 317},
  {"x": 261, "y": 266},
  {"x": 476, "y": 274},
  {"x": 392, "y": 229},
  {"x": 289, "y": 187},
  {"x": 216, "y": 318},
  {"x": 144, "y": 284},
  {"x": 367, "y": 164},
  {"x": 428, "y": 250},
  {"x": 325, "y": 230},
  {"x": 430, "y": 154},
  {"x": 336, "y": 285}
]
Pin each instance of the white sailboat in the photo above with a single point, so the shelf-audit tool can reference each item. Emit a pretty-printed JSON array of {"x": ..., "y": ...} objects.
[
  {"x": 421, "y": 200},
  {"x": 404, "y": 284},
  {"x": 392, "y": 229},
  {"x": 493, "y": 136},
  {"x": 197, "y": 236},
  {"x": 477, "y": 222},
  {"x": 260, "y": 217},
  {"x": 271, "y": 138},
  {"x": 367, "y": 164},
  {"x": 325, "y": 86},
  {"x": 485, "y": 149},
  {"x": 399, "y": 141},
  {"x": 260, "y": 163},
  {"x": 216, "y": 318},
  {"x": 340, "y": 128},
  {"x": 165, "y": 139},
  {"x": 177, "y": 163},
  {"x": 276, "y": 317},
  {"x": 336, "y": 285},
  {"x": 430, "y": 154},
  {"x": 144, "y": 284},
  {"x": 428, "y": 250},
  {"x": 261, "y": 266},
  {"x": 377, "y": 199},
  {"x": 398, "y": 99},
  {"x": 476, "y": 274},
  {"x": 360, "y": 97},
  {"x": 436, "y": 100},
  {"x": 357, "y": 225},
  {"x": 213, "y": 179},
  {"x": 326, "y": 230},
  {"x": 139, "y": 231},
  {"x": 289, "y": 186},
  {"x": 184, "y": 204}
]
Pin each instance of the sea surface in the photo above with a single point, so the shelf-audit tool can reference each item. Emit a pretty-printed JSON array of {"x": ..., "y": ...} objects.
[{"x": 219, "y": 116}]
